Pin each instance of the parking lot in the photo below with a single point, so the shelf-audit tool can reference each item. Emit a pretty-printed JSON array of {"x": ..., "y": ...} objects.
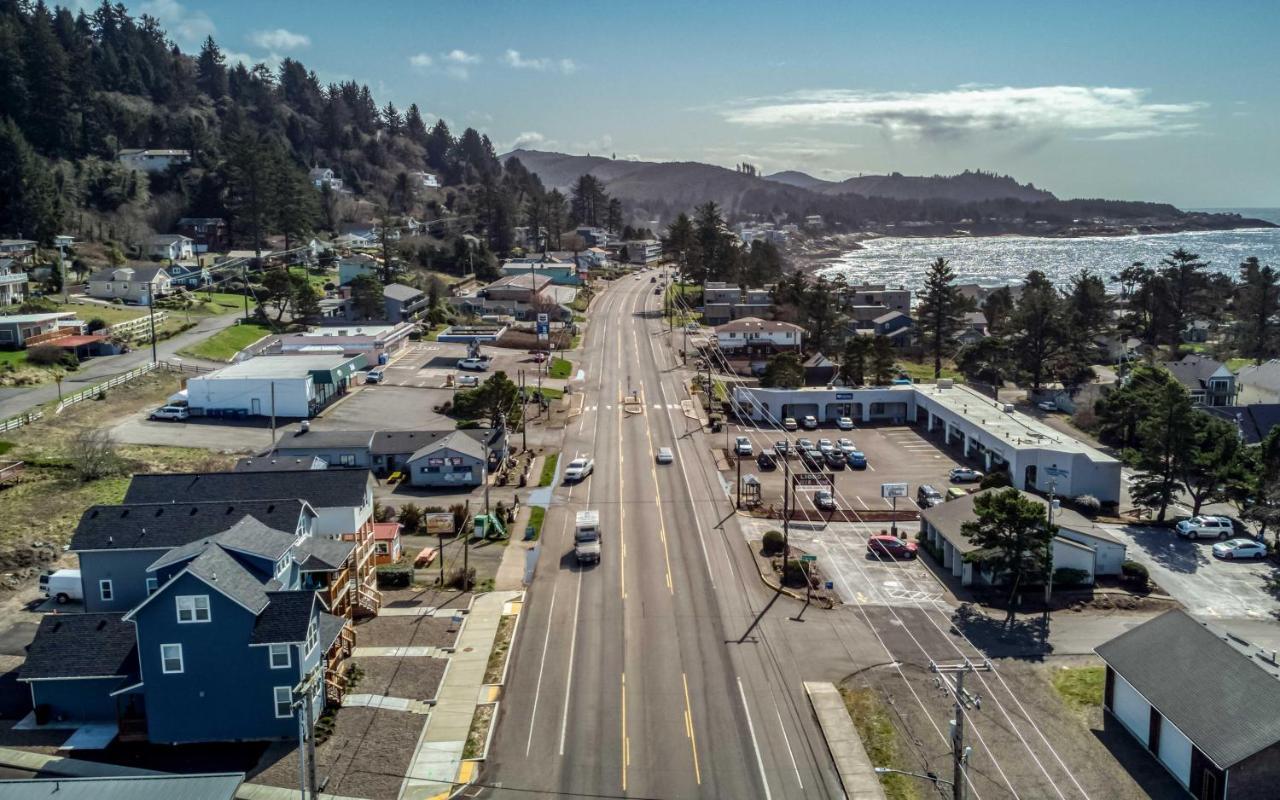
[
  {"x": 895, "y": 454},
  {"x": 1207, "y": 586}
]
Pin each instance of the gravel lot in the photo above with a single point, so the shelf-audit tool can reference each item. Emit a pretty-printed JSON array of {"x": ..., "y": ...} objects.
[
  {"x": 402, "y": 631},
  {"x": 414, "y": 678}
]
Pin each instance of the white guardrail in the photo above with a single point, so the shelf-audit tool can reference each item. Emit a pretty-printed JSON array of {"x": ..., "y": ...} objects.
[{"x": 94, "y": 391}]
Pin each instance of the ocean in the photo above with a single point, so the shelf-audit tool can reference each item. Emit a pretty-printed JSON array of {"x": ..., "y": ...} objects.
[{"x": 999, "y": 260}]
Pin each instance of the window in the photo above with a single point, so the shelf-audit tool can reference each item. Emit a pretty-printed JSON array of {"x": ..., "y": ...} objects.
[
  {"x": 347, "y": 460},
  {"x": 313, "y": 637},
  {"x": 193, "y": 608},
  {"x": 279, "y": 656},
  {"x": 284, "y": 702},
  {"x": 171, "y": 658},
  {"x": 380, "y": 548},
  {"x": 104, "y": 590},
  {"x": 152, "y": 585}
]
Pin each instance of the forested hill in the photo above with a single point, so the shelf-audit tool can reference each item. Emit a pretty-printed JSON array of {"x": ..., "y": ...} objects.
[{"x": 968, "y": 187}]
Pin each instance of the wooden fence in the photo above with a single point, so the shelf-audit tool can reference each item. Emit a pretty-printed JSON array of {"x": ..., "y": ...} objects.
[{"x": 94, "y": 391}]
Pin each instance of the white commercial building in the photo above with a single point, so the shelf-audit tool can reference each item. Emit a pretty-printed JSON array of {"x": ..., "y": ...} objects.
[
  {"x": 279, "y": 385},
  {"x": 1038, "y": 456}
]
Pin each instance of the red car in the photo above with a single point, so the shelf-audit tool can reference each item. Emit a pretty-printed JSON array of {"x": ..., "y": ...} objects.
[{"x": 891, "y": 546}]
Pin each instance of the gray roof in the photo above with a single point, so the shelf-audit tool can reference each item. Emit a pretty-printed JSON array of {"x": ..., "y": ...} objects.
[
  {"x": 949, "y": 517},
  {"x": 168, "y": 238},
  {"x": 217, "y": 568},
  {"x": 285, "y": 619},
  {"x": 213, "y": 786},
  {"x": 280, "y": 464},
  {"x": 402, "y": 442},
  {"x": 1207, "y": 683},
  {"x": 330, "y": 628},
  {"x": 297, "y": 438},
  {"x": 1193, "y": 371},
  {"x": 398, "y": 291},
  {"x": 892, "y": 315},
  {"x": 1254, "y": 422},
  {"x": 81, "y": 646},
  {"x": 246, "y": 536},
  {"x": 318, "y": 554},
  {"x": 322, "y": 488},
  {"x": 140, "y": 274},
  {"x": 458, "y": 441},
  {"x": 132, "y": 526}
]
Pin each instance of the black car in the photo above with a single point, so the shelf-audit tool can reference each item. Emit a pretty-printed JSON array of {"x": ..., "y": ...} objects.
[
  {"x": 835, "y": 459},
  {"x": 812, "y": 459},
  {"x": 766, "y": 462}
]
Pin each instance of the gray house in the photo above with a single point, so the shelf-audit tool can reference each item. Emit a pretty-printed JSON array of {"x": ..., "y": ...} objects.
[
  {"x": 453, "y": 460},
  {"x": 1204, "y": 703},
  {"x": 1209, "y": 382},
  {"x": 404, "y": 303},
  {"x": 134, "y": 285},
  {"x": 383, "y": 452}
]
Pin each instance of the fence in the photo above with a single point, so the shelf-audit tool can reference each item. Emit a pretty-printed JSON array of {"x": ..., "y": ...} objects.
[
  {"x": 13, "y": 423},
  {"x": 132, "y": 326},
  {"x": 94, "y": 391}
]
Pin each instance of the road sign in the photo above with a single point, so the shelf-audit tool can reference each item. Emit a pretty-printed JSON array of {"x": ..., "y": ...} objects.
[
  {"x": 542, "y": 318},
  {"x": 830, "y": 585},
  {"x": 808, "y": 559},
  {"x": 893, "y": 490},
  {"x": 543, "y": 327}
]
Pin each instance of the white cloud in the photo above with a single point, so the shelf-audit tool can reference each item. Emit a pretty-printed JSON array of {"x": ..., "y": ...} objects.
[
  {"x": 515, "y": 60},
  {"x": 461, "y": 57},
  {"x": 186, "y": 27},
  {"x": 421, "y": 60},
  {"x": 1107, "y": 112},
  {"x": 279, "y": 40},
  {"x": 527, "y": 139}
]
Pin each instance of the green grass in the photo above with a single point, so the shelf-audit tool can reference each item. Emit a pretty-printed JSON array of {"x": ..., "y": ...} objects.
[
  {"x": 5, "y": 447},
  {"x": 923, "y": 373},
  {"x": 224, "y": 300},
  {"x": 880, "y": 739},
  {"x": 1234, "y": 364},
  {"x": 581, "y": 300},
  {"x": 577, "y": 341},
  {"x": 560, "y": 368},
  {"x": 317, "y": 281},
  {"x": 108, "y": 314},
  {"x": 579, "y": 317},
  {"x": 434, "y": 333},
  {"x": 552, "y": 394},
  {"x": 548, "y": 469},
  {"x": 1080, "y": 687},
  {"x": 719, "y": 390},
  {"x": 536, "y": 515},
  {"x": 17, "y": 358},
  {"x": 223, "y": 345}
]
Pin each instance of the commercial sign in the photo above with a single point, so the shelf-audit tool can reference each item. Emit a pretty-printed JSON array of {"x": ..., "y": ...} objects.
[
  {"x": 440, "y": 523},
  {"x": 808, "y": 559},
  {"x": 811, "y": 480},
  {"x": 844, "y": 395},
  {"x": 893, "y": 490},
  {"x": 543, "y": 328}
]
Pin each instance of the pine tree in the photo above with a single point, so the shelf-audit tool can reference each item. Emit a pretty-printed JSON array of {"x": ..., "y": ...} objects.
[
  {"x": 211, "y": 69},
  {"x": 882, "y": 361},
  {"x": 415, "y": 128},
  {"x": 941, "y": 312},
  {"x": 1257, "y": 303}
]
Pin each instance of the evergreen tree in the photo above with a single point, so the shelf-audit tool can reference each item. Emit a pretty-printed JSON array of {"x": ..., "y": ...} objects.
[
  {"x": 414, "y": 127},
  {"x": 940, "y": 313},
  {"x": 853, "y": 364},
  {"x": 297, "y": 207},
  {"x": 211, "y": 70},
  {"x": 1011, "y": 533},
  {"x": 1257, "y": 304},
  {"x": 678, "y": 244},
  {"x": 1036, "y": 327},
  {"x": 882, "y": 358},
  {"x": 439, "y": 145},
  {"x": 46, "y": 120},
  {"x": 29, "y": 204},
  {"x": 252, "y": 178},
  {"x": 784, "y": 371},
  {"x": 1164, "y": 448},
  {"x": 1182, "y": 294}
]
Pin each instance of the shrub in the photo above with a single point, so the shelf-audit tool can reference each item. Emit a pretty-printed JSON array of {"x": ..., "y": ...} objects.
[
  {"x": 994, "y": 480},
  {"x": 1067, "y": 576},
  {"x": 773, "y": 542},
  {"x": 458, "y": 578},
  {"x": 92, "y": 455},
  {"x": 380, "y": 512},
  {"x": 794, "y": 573},
  {"x": 1135, "y": 573},
  {"x": 48, "y": 355},
  {"x": 95, "y": 324},
  {"x": 1088, "y": 504},
  {"x": 394, "y": 576},
  {"x": 410, "y": 517},
  {"x": 468, "y": 424}
]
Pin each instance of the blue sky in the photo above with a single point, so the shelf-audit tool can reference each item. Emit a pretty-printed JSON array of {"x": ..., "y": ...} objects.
[{"x": 1171, "y": 101}]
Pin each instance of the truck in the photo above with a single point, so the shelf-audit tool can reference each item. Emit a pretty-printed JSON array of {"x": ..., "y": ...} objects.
[{"x": 586, "y": 537}]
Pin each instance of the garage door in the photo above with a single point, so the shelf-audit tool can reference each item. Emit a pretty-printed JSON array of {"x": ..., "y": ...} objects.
[
  {"x": 800, "y": 410},
  {"x": 1131, "y": 709},
  {"x": 1175, "y": 751}
]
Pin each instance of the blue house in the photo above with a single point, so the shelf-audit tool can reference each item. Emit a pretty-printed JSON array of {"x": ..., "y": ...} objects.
[{"x": 192, "y": 276}]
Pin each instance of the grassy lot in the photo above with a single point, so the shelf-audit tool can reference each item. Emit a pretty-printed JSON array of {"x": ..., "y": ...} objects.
[
  {"x": 1080, "y": 687},
  {"x": 536, "y": 515},
  {"x": 880, "y": 738},
  {"x": 719, "y": 390},
  {"x": 560, "y": 368},
  {"x": 552, "y": 394},
  {"x": 548, "y": 469},
  {"x": 317, "y": 281},
  {"x": 581, "y": 300},
  {"x": 108, "y": 314},
  {"x": 923, "y": 373},
  {"x": 223, "y": 345},
  {"x": 434, "y": 333},
  {"x": 1234, "y": 364}
]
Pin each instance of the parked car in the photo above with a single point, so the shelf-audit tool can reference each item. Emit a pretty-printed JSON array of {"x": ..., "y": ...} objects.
[
  {"x": 665, "y": 456},
  {"x": 804, "y": 444},
  {"x": 927, "y": 496},
  {"x": 691, "y": 327},
  {"x": 176, "y": 413},
  {"x": 790, "y": 424},
  {"x": 824, "y": 500},
  {"x": 857, "y": 459},
  {"x": 844, "y": 424},
  {"x": 782, "y": 448},
  {"x": 846, "y": 445},
  {"x": 374, "y": 375},
  {"x": 891, "y": 546},
  {"x": 834, "y": 458},
  {"x": 1205, "y": 527},
  {"x": 467, "y": 380},
  {"x": 579, "y": 468},
  {"x": 810, "y": 423},
  {"x": 742, "y": 446},
  {"x": 826, "y": 446},
  {"x": 539, "y": 357},
  {"x": 473, "y": 364},
  {"x": 1047, "y": 405},
  {"x": 63, "y": 585},
  {"x": 766, "y": 462},
  {"x": 1240, "y": 548},
  {"x": 955, "y": 493},
  {"x": 653, "y": 279},
  {"x": 965, "y": 475},
  {"x": 812, "y": 459}
]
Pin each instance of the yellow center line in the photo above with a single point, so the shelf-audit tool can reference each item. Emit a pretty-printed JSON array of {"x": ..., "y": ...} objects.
[
  {"x": 626, "y": 745},
  {"x": 662, "y": 524},
  {"x": 693, "y": 737},
  {"x": 622, "y": 512}
]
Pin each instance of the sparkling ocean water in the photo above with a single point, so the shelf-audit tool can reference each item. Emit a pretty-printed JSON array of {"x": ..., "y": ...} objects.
[{"x": 999, "y": 260}]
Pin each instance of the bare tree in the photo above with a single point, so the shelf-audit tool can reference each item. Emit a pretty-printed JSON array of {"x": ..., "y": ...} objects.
[{"x": 93, "y": 455}]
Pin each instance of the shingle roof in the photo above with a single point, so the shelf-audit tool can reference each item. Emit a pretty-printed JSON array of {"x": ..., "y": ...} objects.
[
  {"x": 892, "y": 315},
  {"x": 318, "y": 554},
  {"x": 948, "y": 518},
  {"x": 1193, "y": 371},
  {"x": 213, "y": 786},
  {"x": 1264, "y": 376},
  {"x": 399, "y": 442},
  {"x": 1221, "y": 697},
  {"x": 398, "y": 291},
  {"x": 1254, "y": 422},
  {"x": 81, "y": 646},
  {"x": 217, "y": 568},
  {"x": 248, "y": 535},
  {"x": 285, "y": 619},
  {"x": 330, "y": 628},
  {"x": 321, "y": 488},
  {"x": 168, "y": 238},
  {"x": 164, "y": 525},
  {"x": 457, "y": 441},
  {"x": 280, "y": 464},
  {"x": 312, "y": 439}
]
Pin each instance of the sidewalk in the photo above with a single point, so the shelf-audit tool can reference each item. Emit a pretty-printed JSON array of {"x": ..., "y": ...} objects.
[
  {"x": 857, "y": 774},
  {"x": 437, "y": 762}
]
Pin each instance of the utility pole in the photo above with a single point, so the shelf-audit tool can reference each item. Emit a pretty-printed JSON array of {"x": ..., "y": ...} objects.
[
  {"x": 273, "y": 417},
  {"x": 959, "y": 753},
  {"x": 524, "y": 414},
  {"x": 1048, "y": 558},
  {"x": 244, "y": 278},
  {"x": 151, "y": 313},
  {"x": 786, "y": 510},
  {"x": 737, "y": 458}
]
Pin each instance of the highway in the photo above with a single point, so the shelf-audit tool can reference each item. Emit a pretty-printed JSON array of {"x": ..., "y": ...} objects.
[{"x": 667, "y": 670}]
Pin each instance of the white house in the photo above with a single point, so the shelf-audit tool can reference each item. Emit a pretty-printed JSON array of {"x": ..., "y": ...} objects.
[
  {"x": 323, "y": 176},
  {"x": 754, "y": 335},
  {"x": 428, "y": 180},
  {"x": 1259, "y": 384},
  {"x": 129, "y": 284},
  {"x": 149, "y": 160},
  {"x": 13, "y": 282},
  {"x": 170, "y": 247}
]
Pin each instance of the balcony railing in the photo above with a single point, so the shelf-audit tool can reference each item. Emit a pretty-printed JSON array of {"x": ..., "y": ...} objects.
[{"x": 15, "y": 277}]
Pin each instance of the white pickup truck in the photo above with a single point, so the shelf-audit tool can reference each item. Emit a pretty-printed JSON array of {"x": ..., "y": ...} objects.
[{"x": 586, "y": 537}]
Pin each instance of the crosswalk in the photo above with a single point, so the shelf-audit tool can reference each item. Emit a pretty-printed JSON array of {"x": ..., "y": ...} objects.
[{"x": 654, "y": 406}]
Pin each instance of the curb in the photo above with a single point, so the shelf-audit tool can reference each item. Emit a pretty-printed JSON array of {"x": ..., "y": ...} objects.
[{"x": 823, "y": 602}]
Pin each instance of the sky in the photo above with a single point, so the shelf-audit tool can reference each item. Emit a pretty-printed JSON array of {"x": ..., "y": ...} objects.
[{"x": 1169, "y": 101}]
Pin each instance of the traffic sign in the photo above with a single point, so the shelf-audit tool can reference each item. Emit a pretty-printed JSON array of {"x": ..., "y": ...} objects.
[
  {"x": 893, "y": 490},
  {"x": 808, "y": 559}
]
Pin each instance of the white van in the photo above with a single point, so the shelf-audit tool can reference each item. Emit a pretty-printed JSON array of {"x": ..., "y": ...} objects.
[
  {"x": 63, "y": 585},
  {"x": 586, "y": 537}
]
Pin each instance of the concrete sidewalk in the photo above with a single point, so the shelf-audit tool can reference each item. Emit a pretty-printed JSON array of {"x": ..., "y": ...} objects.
[
  {"x": 857, "y": 774},
  {"x": 437, "y": 763}
]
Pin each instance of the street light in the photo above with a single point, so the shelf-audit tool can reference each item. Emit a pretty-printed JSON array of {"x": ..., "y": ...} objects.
[{"x": 927, "y": 776}]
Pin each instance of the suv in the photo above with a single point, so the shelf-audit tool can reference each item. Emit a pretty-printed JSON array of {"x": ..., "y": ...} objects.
[
  {"x": 766, "y": 462},
  {"x": 834, "y": 458},
  {"x": 742, "y": 446},
  {"x": 373, "y": 376},
  {"x": 927, "y": 496},
  {"x": 812, "y": 460},
  {"x": 824, "y": 500},
  {"x": 1205, "y": 527},
  {"x": 474, "y": 364},
  {"x": 177, "y": 413},
  {"x": 844, "y": 424},
  {"x": 965, "y": 475}
]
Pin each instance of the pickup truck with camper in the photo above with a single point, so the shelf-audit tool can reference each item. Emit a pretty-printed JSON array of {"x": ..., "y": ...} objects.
[{"x": 586, "y": 537}]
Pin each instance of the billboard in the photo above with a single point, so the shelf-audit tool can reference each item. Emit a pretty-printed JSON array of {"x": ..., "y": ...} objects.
[
  {"x": 893, "y": 490},
  {"x": 439, "y": 523}
]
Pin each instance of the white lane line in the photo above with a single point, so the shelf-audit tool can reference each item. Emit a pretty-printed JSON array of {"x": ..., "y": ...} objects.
[
  {"x": 533, "y": 715},
  {"x": 752, "y": 729},
  {"x": 787, "y": 739},
  {"x": 865, "y": 507}
]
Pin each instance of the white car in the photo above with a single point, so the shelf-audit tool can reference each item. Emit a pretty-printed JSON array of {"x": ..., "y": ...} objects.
[
  {"x": 846, "y": 446},
  {"x": 579, "y": 468},
  {"x": 810, "y": 423},
  {"x": 790, "y": 423},
  {"x": 665, "y": 456},
  {"x": 473, "y": 364},
  {"x": 1240, "y": 548},
  {"x": 176, "y": 413},
  {"x": 742, "y": 446},
  {"x": 825, "y": 446},
  {"x": 824, "y": 500},
  {"x": 844, "y": 424},
  {"x": 965, "y": 475},
  {"x": 467, "y": 380},
  {"x": 373, "y": 376},
  {"x": 1205, "y": 527}
]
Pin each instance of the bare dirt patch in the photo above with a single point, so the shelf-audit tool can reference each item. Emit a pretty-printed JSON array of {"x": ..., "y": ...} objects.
[
  {"x": 415, "y": 678},
  {"x": 403, "y": 631}
]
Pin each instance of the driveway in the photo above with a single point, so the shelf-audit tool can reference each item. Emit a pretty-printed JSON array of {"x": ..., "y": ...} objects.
[{"x": 1209, "y": 588}]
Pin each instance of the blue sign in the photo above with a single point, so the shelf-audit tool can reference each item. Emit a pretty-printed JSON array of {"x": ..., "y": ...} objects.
[
  {"x": 1057, "y": 473},
  {"x": 844, "y": 395}
]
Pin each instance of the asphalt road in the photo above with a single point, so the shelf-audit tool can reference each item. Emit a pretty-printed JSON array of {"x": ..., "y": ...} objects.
[{"x": 663, "y": 671}]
